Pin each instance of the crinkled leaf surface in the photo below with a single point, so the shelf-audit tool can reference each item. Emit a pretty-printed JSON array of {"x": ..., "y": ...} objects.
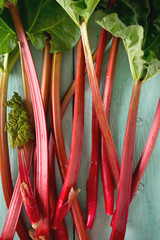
[
  {"x": 79, "y": 10},
  {"x": 138, "y": 24},
  {"x": 40, "y": 17}
]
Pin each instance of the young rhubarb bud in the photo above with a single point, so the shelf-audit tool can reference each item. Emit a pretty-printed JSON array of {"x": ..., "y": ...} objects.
[{"x": 18, "y": 124}]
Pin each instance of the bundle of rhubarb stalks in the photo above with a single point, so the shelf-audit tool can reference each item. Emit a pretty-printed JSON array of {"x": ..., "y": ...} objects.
[{"x": 34, "y": 124}]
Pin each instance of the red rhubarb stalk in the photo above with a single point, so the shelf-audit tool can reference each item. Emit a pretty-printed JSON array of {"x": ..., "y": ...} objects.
[
  {"x": 27, "y": 192},
  {"x": 4, "y": 154},
  {"x": 92, "y": 183},
  {"x": 77, "y": 138},
  {"x": 146, "y": 154},
  {"x": 107, "y": 181},
  {"x": 61, "y": 152},
  {"x": 46, "y": 75},
  {"x": 123, "y": 201},
  {"x": 61, "y": 232},
  {"x": 45, "y": 90},
  {"x": 70, "y": 92},
  {"x": 40, "y": 122},
  {"x": 103, "y": 123}
]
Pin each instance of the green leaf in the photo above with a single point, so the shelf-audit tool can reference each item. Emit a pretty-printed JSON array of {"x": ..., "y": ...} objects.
[
  {"x": 37, "y": 39},
  {"x": 79, "y": 10},
  {"x": 39, "y": 17},
  {"x": 138, "y": 24},
  {"x": 1, "y": 6},
  {"x": 8, "y": 38}
]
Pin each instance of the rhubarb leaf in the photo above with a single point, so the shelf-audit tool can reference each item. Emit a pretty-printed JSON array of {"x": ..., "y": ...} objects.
[
  {"x": 39, "y": 17},
  {"x": 37, "y": 39},
  {"x": 138, "y": 24},
  {"x": 79, "y": 10},
  {"x": 8, "y": 38}
]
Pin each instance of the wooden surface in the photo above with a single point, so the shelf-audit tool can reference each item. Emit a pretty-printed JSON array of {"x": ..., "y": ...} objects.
[{"x": 144, "y": 213}]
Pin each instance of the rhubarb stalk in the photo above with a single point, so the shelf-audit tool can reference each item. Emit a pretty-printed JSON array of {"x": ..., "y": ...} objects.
[
  {"x": 61, "y": 231},
  {"x": 40, "y": 122},
  {"x": 62, "y": 156},
  {"x": 77, "y": 135},
  {"x": 92, "y": 183},
  {"x": 46, "y": 75},
  {"x": 103, "y": 123},
  {"x": 45, "y": 91},
  {"x": 4, "y": 155},
  {"x": 16, "y": 201},
  {"x": 121, "y": 214},
  {"x": 107, "y": 181},
  {"x": 27, "y": 192},
  {"x": 146, "y": 154},
  {"x": 71, "y": 90}
]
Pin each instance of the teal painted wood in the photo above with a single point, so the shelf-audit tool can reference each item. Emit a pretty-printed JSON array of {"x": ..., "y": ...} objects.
[{"x": 143, "y": 220}]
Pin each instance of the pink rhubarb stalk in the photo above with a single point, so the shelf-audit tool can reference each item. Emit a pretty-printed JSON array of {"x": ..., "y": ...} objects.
[
  {"x": 16, "y": 201},
  {"x": 107, "y": 181},
  {"x": 92, "y": 183},
  {"x": 76, "y": 143},
  {"x": 146, "y": 154},
  {"x": 121, "y": 214},
  {"x": 102, "y": 119},
  {"x": 40, "y": 122},
  {"x": 45, "y": 91}
]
